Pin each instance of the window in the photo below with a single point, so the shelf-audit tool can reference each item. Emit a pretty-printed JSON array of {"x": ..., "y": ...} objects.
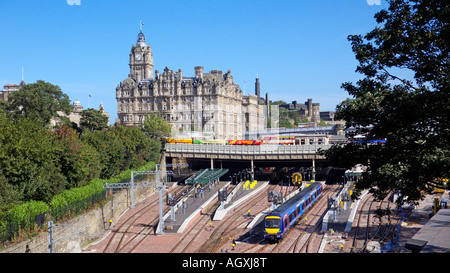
[
  {"x": 272, "y": 223},
  {"x": 291, "y": 217}
]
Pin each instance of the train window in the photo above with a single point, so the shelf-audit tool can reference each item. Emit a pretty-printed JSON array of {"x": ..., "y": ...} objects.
[
  {"x": 303, "y": 206},
  {"x": 273, "y": 223},
  {"x": 291, "y": 217},
  {"x": 286, "y": 224}
]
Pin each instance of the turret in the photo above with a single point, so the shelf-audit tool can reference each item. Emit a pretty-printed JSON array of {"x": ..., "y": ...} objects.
[{"x": 257, "y": 88}]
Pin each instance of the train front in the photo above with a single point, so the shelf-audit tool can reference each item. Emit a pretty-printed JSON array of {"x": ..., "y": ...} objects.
[{"x": 272, "y": 227}]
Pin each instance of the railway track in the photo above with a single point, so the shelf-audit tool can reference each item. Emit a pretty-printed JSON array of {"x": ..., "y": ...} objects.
[
  {"x": 300, "y": 238},
  {"x": 369, "y": 226},
  {"x": 137, "y": 224},
  {"x": 306, "y": 240},
  {"x": 198, "y": 227},
  {"x": 233, "y": 224},
  {"x": 385, "y": 230},
  {"x": 363, "y": 214}
]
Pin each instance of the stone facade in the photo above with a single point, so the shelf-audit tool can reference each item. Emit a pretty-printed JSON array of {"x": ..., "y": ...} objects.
[
  {"x": 75, "y": 115},
  {"x": 309, "y": 110},
  {"x": 206, "y": 105},
  {"x": 7, "y": 89}
]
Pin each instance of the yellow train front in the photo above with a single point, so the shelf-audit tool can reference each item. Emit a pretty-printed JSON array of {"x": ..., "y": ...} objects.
[{"x": 277, "y": 223}]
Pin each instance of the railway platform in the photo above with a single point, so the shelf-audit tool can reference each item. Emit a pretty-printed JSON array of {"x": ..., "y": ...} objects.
[
  {"x": 341, "y": 214},
  {"x": 191, "y": 208},
  {"x": 241, "y": 193},
  {"x": 434, "y": 235}
]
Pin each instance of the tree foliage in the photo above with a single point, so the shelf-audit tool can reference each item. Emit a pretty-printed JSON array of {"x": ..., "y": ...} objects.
[
  {"x": 38, "y": 163},
  {"x": 93, "y": 120},
  {"x": 138, "y": 146},
  {"x": 155, "y": 127},
  {"x": 403, "y": 98},
  {"x": 40, "y": 101}
]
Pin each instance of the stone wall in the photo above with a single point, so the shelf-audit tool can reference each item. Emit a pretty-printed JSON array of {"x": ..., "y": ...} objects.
[{"x": 70, "y": 236}]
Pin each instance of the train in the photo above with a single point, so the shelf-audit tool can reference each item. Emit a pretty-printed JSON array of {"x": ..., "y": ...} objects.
[
  {"x": 281, "y": 140},
  {"x": 279, "y": 221},
  {"x": 244, "y": 142}
]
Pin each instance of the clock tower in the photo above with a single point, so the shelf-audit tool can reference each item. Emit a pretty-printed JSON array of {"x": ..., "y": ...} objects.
[{"x": 141, "y": 59}]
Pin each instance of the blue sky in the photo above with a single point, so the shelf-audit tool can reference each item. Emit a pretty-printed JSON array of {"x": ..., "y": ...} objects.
[{"x": 298, "y": 48}]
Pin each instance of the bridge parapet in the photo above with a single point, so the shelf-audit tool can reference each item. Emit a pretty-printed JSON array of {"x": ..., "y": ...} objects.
[{"x": 258, "y": 152}]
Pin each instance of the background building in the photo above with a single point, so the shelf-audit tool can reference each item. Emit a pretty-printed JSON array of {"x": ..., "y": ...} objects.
[
  {"x": 8, "y": 88},
  {"x": 308, "y": 110},
  {"x": 208, "y": 105}
]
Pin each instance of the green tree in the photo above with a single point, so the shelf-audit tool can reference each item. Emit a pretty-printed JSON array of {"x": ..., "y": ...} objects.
[
  {"x": 79, "y": 162},
  {"x": 284, "y": 123},
  {"x": 411, "y": 112},
  {"x": 155, "y": 127},
  {"x": 138, "y": 146},
  {"x": 93, "y": 120},
  {"x": 40, "y": 101},
  {"x": 28, "y": 159},
  {"x": 110, "y": 148}
]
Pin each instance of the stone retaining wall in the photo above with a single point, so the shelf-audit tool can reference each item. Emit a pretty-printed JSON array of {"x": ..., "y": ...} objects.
[{"x": 71, "y": 235}]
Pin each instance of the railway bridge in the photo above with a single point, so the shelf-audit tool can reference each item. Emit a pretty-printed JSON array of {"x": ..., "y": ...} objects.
[{"x": 245, "y": 156}]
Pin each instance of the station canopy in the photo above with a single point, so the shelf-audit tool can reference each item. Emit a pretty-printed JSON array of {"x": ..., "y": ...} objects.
[{"x": 206, "y": 176}]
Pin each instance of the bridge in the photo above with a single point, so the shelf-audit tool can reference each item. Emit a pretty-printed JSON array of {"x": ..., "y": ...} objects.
[
  {"x": 245, "y": 152},
  {"x": 264, "y": 155}
]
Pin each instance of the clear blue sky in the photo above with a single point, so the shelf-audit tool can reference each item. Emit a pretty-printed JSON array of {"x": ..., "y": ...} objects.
[{"x": 299, "y": 48}]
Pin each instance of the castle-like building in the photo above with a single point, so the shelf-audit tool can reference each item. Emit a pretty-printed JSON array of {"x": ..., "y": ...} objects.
[{"x": 208, "y": 105}]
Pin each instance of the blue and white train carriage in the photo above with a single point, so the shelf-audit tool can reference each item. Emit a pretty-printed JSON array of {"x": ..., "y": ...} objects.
[{"x": 277, "y": 223}]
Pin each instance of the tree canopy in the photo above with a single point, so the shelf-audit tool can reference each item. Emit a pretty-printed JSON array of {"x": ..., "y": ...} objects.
[
  {"x": 38, "y": 162},
  {"x": 402, "y": 98},
  {"x": 40, "y": 101},
  {"x": 155, "y": 127},
  {"x": 93, "y": 120}
]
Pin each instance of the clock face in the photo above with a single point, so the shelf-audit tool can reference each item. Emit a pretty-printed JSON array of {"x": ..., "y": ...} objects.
[{"x": 138, "y": 57}]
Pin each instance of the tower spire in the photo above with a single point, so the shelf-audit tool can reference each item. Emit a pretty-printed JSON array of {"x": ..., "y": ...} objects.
[
  {"x": 141, "y": 37},
  {"x": 22, "y": 82}
]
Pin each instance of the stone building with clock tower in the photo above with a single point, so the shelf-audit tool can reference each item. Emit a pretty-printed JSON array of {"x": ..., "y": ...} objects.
[
  {"x": 206, "y": 105},
  {"x": 141, "y": 60}
]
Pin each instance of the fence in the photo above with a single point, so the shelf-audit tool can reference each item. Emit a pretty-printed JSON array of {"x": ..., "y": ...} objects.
[{"x": 13, "y": 229}]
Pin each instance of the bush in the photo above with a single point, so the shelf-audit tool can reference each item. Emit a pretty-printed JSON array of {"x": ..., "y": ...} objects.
[
  {"x": 23, "y": 212},
  {"x": 94, "y": 187}
]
